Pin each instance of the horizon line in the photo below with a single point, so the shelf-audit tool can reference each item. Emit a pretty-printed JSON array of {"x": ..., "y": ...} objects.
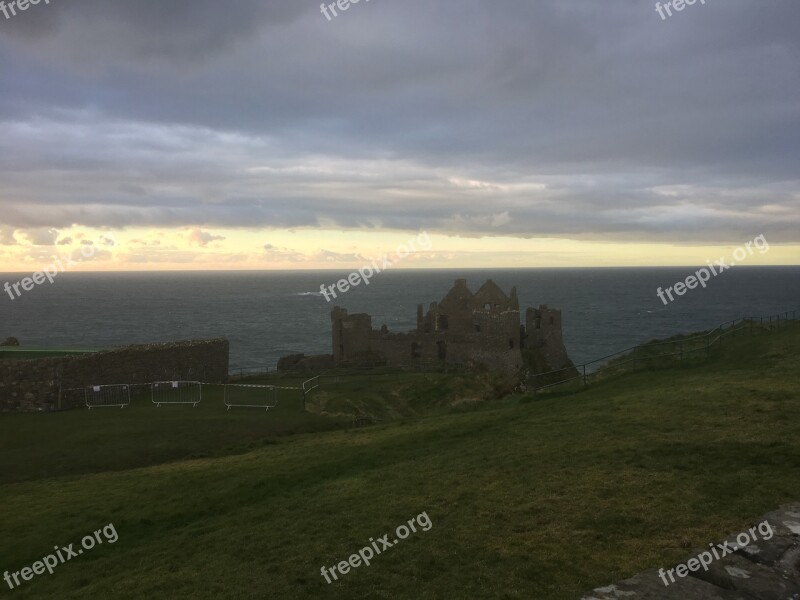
[{"x": 398, "y": 269}]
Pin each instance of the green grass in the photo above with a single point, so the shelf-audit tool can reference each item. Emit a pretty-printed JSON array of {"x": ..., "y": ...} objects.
[
  {"x": 37, "y": 446},
  {"x": 389, "y": 396},
  {"x": 681, "y": 349},
  {"x": 541, "y": 498}
]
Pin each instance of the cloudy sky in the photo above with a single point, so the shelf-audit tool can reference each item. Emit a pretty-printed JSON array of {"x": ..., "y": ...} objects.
[{"x": 239, "y": 134}]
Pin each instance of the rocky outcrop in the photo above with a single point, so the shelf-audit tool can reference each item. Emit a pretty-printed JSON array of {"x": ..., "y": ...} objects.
[
  {"x": 765, "y": 569},
  {"x": 305, "y": 364}
]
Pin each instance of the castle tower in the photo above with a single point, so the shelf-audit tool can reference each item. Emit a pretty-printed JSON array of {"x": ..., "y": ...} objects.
[
  {"x": 349, "y": 334},
  {"x": 543, "y": 326}
]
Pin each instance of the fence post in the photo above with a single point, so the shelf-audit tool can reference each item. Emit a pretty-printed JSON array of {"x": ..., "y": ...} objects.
[
  {"x": 59, "y": 382},
  {"x": 584, "y": 375}
]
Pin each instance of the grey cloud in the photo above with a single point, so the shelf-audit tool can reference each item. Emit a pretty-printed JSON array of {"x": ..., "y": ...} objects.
[
  {"x": 157, "y": 256},
  {"x": 178, "y": 31},
  {"x": 198, "y": 237},
  {"x": 7, "y": 236},
  {"x": 42, "y": 236},
  {"x": 333, "y": 257},
  {"x": 582, "y": 119},
  {"x": 276, "y": 254}
]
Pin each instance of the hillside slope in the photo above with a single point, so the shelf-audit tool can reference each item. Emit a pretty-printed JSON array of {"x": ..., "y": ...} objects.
[{"x": 542, "y": 498}]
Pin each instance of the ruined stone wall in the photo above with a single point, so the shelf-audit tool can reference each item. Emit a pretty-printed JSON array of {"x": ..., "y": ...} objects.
[
  {"x": 396, "y": 348},
  {"x": 463, "y": 328},
  {"x": 446, "y": 347},
  {"x": 409, "y": 348},
  {"x": 543, "y": 325},
  {"x": 508, "y": 361},
  {"x": 499, "y": 331},
  {"x": 491, "y": 338},
  {"x": 543, "y": 331},
  {"x": 32, "y": 385},
  {"x": 350, "y": 334}
]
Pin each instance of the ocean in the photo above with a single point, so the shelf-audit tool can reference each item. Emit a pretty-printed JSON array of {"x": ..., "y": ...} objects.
[{"x": 268, "y": 314}]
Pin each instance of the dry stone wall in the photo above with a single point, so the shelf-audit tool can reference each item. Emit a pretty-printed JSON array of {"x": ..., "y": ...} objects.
[{"x": 38, "y": 384}]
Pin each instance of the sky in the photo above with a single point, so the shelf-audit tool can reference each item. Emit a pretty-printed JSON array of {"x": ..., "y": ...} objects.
[{"x": 198, "y": 134}]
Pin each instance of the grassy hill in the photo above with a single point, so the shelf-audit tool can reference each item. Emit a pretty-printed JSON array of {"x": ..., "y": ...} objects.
[
  {"x": 528, "y": 498},
  {"x": 35, "y": 446}
]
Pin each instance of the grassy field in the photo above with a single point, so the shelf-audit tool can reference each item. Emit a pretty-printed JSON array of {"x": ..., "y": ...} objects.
[
  {"x": 528, "y": 498},
  {"x": 42, "y": 445}
]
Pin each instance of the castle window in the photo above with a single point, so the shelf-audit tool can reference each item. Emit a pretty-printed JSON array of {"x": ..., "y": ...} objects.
[
  {"x": 442, "y": 321},
  {"x": 477, "y": 327},
  {"x": 415, "y": 353},
  {"x": 442, "y": 348},
  {"x": 538, "y": 323},
  {"x": 551, "y": 320},
  {"x": 487, "y": 306},
  {"x": 511, "y": 343}
]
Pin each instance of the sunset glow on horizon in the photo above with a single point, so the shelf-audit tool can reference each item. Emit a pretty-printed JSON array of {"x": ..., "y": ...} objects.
[{"x": 195, "y": 249}]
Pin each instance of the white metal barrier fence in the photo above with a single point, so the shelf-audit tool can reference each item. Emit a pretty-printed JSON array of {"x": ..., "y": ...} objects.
[
  {"x": 234, "y": 395},
  {"x": 176, "y": 392},
  {"x": 309, "y": 386},
  {"x": 250, "y": 396},
  {"x": 107, "y": 396}
]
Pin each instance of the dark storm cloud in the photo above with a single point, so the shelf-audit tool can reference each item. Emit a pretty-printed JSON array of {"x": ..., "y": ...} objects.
[
  {"x": 176, "y": 31},
  {"x": 584, "y": 119}
]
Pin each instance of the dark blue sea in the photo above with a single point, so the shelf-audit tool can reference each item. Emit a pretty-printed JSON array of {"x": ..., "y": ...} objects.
[{"x": 267, "y": 314}]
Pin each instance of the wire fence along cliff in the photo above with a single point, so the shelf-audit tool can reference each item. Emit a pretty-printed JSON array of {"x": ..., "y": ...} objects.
[
  {"x": 656, "y": 355},
  {"x": 651, "y": 355},
  {"x": 676, "y": 351}
]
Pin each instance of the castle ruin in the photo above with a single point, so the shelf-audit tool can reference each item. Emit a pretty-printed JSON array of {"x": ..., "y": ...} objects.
[{"x": 463, "y": 329}]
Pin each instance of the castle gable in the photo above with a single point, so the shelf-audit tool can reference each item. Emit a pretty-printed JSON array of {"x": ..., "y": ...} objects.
[
  {"x": 458, "y": 299},
  {"x": 491, "y": 298}
]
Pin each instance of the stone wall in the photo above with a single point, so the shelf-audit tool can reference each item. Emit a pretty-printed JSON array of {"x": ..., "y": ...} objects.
[
  {"x": 39, "y": 384},
  {"x": 543, "y": 332}
]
